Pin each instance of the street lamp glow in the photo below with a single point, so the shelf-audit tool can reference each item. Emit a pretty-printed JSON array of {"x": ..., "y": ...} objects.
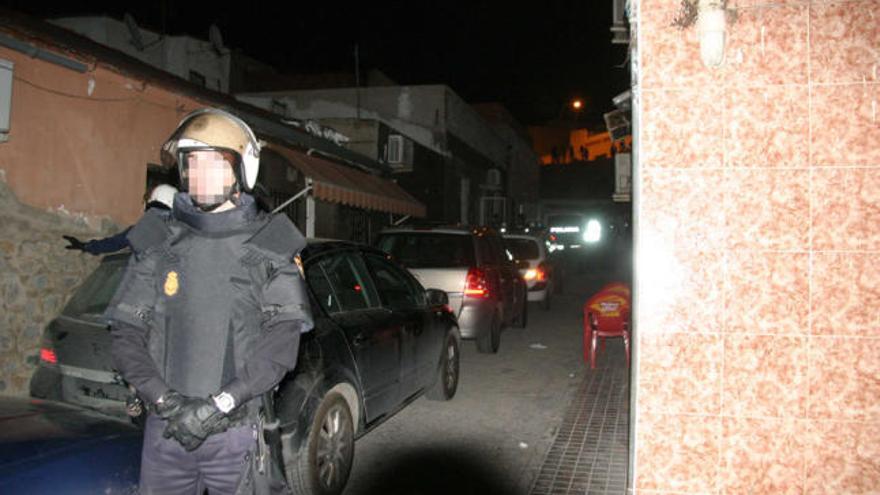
[{"x": 577, "y": 104}]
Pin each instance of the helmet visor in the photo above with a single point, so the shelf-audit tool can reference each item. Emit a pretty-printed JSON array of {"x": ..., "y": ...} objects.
[{"x": 208, "y": 175}]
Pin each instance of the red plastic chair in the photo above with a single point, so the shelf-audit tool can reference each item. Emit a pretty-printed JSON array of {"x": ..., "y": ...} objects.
[{"x": 606, "y": 314}]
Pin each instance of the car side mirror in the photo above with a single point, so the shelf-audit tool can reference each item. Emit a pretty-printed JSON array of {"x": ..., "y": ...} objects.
[
  {"x": 437, "y": 297},
  {"x": 522, "y": 264}
]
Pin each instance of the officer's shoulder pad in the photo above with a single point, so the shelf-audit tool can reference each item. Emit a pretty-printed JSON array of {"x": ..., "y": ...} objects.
[
  {"x": 151, "y": 230},
  {"x": 278, "y": 238}
]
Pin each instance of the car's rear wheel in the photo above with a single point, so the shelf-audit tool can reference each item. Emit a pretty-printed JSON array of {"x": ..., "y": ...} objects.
[
  {"x": 447, "y": 375},
  {"x": 545, "y": 303},
  {"x": 324, "y": 461},
  {"x": 523, "y": 319},
  {"x": 490, "y": 340}
]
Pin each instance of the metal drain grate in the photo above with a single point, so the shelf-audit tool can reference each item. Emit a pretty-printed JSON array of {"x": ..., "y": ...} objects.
[{"x": 590, "y": 452}]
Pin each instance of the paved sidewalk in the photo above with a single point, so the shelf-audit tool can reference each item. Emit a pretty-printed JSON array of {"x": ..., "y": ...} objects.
[
  {"x": 590, "y": 452},
  {"x": 491, "y": 439}
]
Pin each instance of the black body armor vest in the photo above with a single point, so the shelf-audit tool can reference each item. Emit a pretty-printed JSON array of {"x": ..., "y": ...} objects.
[{"x": 209, "y": 270}]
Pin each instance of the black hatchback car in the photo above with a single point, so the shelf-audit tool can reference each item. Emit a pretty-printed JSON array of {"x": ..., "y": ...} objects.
[{"x": 380, "y": 341}]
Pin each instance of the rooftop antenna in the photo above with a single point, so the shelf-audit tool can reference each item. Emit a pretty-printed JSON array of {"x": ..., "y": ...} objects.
[
  {"x": 357, "y": 79},
  {"x": 216, "y": 39},
  {"x": 134, "y": 30}
]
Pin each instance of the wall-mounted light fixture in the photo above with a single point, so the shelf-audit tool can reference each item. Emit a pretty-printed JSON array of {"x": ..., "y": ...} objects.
[
  {"x": 711, "y": 24},
  {"x": 711, "y": 18}
]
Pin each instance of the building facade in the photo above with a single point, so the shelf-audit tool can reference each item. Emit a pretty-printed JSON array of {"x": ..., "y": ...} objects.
[
  {"x": 205, "y": 62},
  {"x": 441, "y": 149}
]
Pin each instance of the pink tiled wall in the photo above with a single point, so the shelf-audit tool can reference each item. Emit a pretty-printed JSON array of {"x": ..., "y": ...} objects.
[{"x": 758, "y": 255}]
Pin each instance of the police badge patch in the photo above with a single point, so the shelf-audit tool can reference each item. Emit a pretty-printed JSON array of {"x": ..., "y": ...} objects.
[
  {"x": 299, "y": 264},
  {"x": 171, "y": 283}
]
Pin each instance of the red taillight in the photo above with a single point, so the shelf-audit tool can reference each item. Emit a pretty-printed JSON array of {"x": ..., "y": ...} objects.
[
  {"x": 538, "y": 274},
  {"x": 48, "y": 356},
  {"x": 476, "y": 285},
  {"x": 541, "y": 273}
]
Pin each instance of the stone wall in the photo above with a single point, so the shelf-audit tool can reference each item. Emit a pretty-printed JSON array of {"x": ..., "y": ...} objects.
[{"x": 37, "y": 277}]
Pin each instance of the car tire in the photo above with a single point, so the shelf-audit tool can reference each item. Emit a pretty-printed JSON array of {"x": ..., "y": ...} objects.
[
  {"x": 448, "y": 372},
  {"x": 523, "y": 319},
  {"x": 323, "y": 463},
  {"x": 490, "y": 340},
  {"x": 545, "y": 304}
]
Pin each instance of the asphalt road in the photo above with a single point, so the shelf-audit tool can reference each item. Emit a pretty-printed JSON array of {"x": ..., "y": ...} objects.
[{"x": 493, "y": 436}]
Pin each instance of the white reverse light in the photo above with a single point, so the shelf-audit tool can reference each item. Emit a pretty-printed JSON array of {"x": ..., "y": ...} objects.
[{"x": 593, "y": 232}]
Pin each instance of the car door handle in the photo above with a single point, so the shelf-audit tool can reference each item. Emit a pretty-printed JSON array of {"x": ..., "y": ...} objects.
[{"x": 359, "y": 340}]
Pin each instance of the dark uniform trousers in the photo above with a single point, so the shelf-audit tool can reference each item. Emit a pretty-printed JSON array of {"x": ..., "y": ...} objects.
[{"x": 168, "y": 469}]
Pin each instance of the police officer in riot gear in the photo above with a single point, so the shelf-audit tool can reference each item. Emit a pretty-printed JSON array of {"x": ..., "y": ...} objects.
[
  {"x": 161, "y": 197},
  {"x": 209, "y": 314}
]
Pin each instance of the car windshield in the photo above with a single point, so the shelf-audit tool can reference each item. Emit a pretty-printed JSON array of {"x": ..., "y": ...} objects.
[
  {"x": 95, "y": 293},
  {"x": 429, "y": 250},
  {"x": 522, "y": 249}
]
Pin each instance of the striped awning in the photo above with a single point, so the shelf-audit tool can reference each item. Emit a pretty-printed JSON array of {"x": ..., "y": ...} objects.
[{"x": 345, "y": 185}]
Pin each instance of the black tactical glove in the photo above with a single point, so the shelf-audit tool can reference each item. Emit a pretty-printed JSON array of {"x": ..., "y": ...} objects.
[
  {"x": 196, "y": 420},
  {"x": 74, "y": 243},
  {"x": 170, "y": 404}
]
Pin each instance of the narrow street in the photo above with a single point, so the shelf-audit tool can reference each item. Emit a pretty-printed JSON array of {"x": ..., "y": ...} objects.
[{"x": 494, "y": 436}]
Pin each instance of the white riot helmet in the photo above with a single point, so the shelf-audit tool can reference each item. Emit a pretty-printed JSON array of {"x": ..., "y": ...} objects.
[
  {"x": 163, "y": 193},
  {"x": 218, "y": 130}
]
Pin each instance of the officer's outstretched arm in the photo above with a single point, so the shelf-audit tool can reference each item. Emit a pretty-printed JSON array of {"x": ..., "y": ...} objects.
[
  {"x": 130, "y": 314},
  {"x": 110, "y": 244},
  {"x": 287, "y": 314}
]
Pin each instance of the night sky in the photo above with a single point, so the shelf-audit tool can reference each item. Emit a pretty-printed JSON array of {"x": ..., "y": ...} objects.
[{"x": 533, "y": 58}]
